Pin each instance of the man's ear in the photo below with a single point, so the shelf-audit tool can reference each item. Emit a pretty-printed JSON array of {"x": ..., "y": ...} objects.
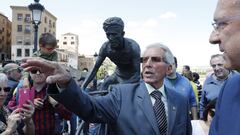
[{"x": 169, "y": 69}]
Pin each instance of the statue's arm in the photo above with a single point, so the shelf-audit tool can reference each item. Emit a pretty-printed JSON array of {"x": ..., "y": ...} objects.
[{"x": 90, "y": 77}]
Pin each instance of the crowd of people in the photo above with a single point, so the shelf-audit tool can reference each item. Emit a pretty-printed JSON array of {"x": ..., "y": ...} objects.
[{"x": 154, "y": 101}]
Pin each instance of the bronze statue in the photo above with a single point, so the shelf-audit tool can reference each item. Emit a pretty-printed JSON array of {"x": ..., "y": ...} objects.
[{"x": 123, "y": 52}]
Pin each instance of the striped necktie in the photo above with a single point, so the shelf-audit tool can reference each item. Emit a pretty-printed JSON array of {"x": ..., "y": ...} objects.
[{"x": 159, "y": 111}]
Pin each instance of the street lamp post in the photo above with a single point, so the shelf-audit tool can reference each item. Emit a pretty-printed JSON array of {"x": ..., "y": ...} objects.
[{"x": 37, "y": 10}]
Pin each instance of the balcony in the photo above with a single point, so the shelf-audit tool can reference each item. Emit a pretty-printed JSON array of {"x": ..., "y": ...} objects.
[
  {"x": 26, "y": 31},
  {"x": 27, "y": 43}
]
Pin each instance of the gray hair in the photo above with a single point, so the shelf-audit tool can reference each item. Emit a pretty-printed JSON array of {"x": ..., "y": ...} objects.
[
  {"x": 3, "y": 78},
  {"x": 113, "y": 21},
  {"x": 167, "y": 57},
  {"x": 216, "y": 55}
]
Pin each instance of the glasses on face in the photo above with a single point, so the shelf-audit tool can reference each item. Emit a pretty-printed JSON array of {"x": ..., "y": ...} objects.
[
  {"x": 35, "y": 71},
  {"x": 153, "y": 59},
  {"x": 5, "y": 89},
  {"x": 223, "y": 22},
  {"x": 19, "y": 70}
]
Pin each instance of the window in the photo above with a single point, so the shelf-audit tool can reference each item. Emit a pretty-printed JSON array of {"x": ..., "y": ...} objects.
[
  {"x": 50, "y": 23},
  {"x": 27, "y": 29},
  {"x": 19, "y": 40},
  {"x": 27, "y": 52},
  {"x": 53, "y": 24},
  {"x": 65, "y": 37},
  {"x": 19, "y": 28},
  {"x": 65, "y": 43},
  {"x": 27, "y": 43},
  {"x": 72, "y": 43},
  {"x": 45, "y": 19},
  {"x": 19, "y": 17},
  {"x": 45, "y": 30},
  {"x": 19, "y": 52},
  {"x": 27, "y": 40},
  {"x": 72, "y": 37},
  {"x": 28, "y": 18}
]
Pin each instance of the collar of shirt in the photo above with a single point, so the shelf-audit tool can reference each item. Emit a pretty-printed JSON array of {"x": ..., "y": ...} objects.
[{"x": 151, "y": 89}]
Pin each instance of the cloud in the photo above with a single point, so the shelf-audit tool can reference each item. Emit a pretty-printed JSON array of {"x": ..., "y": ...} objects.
[
  {"x": 168, "y": 15},
  {"x": 151, "y": 23}
]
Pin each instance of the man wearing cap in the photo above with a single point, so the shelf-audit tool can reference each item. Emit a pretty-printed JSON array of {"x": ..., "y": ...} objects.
[
  {"x": 123, "y": 52},
  {"x": 13, "y": 72}
]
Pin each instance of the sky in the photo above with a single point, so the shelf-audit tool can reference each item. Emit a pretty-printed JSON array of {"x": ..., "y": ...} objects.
[{"x": 183, "y": 25}]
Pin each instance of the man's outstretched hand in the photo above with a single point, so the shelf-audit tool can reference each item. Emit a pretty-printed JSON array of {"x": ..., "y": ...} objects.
[{"x": 55, "y": 73}]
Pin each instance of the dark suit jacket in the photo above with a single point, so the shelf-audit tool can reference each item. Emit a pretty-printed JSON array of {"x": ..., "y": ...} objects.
[
  {"x": 227, "y": 119},
  {"x": 128, "y": 109}
]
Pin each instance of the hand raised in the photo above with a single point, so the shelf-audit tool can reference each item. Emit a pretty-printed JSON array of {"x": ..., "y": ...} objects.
[
  {"x": 55, "y": 73},
  {"x": 12, "y": 122}
]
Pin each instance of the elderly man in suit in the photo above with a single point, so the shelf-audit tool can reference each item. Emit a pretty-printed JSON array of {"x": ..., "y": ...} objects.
[
  {"x": 142, "y": 108},
  {"x": 226, "y": 34}
]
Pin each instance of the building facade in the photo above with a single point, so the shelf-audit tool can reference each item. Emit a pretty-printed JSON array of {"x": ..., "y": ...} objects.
[
  {"x": 68, "y": 44},
  {"x": 85, "y": 63},
  {"x": 23, "y": 30},
  {"x": 5, "y": 37}
]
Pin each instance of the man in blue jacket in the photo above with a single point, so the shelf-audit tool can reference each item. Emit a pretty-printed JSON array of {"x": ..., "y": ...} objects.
[
  {"x": 147, "y": 107},
  {"x": 226, "y": 33}
]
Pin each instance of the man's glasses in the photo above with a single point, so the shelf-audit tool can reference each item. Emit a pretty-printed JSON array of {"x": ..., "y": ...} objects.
[
  {"x": 153, "y": 59},
  {"x": 35, "y": 71},
  {"x": 219, "y": 25},
  {"x": 223, "y": 22},
  {"x": 5, "y": 89}
]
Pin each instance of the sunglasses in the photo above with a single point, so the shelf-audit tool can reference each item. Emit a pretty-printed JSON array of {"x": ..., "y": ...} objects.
[
  {"x": 35, "y": 71},
  {"x": 5, "y": 89},
  {"x": 19, "y": 70},
  {"x": 153, "y": 59}
]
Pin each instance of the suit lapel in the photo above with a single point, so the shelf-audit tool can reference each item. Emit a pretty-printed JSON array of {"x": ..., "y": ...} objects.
[
  {"x": 172, "y": 109},
  {"x": 145, "y": 104}
]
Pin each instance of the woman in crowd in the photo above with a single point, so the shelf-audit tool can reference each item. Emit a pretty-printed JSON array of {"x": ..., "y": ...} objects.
[{"x": 20, "y": 120}]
